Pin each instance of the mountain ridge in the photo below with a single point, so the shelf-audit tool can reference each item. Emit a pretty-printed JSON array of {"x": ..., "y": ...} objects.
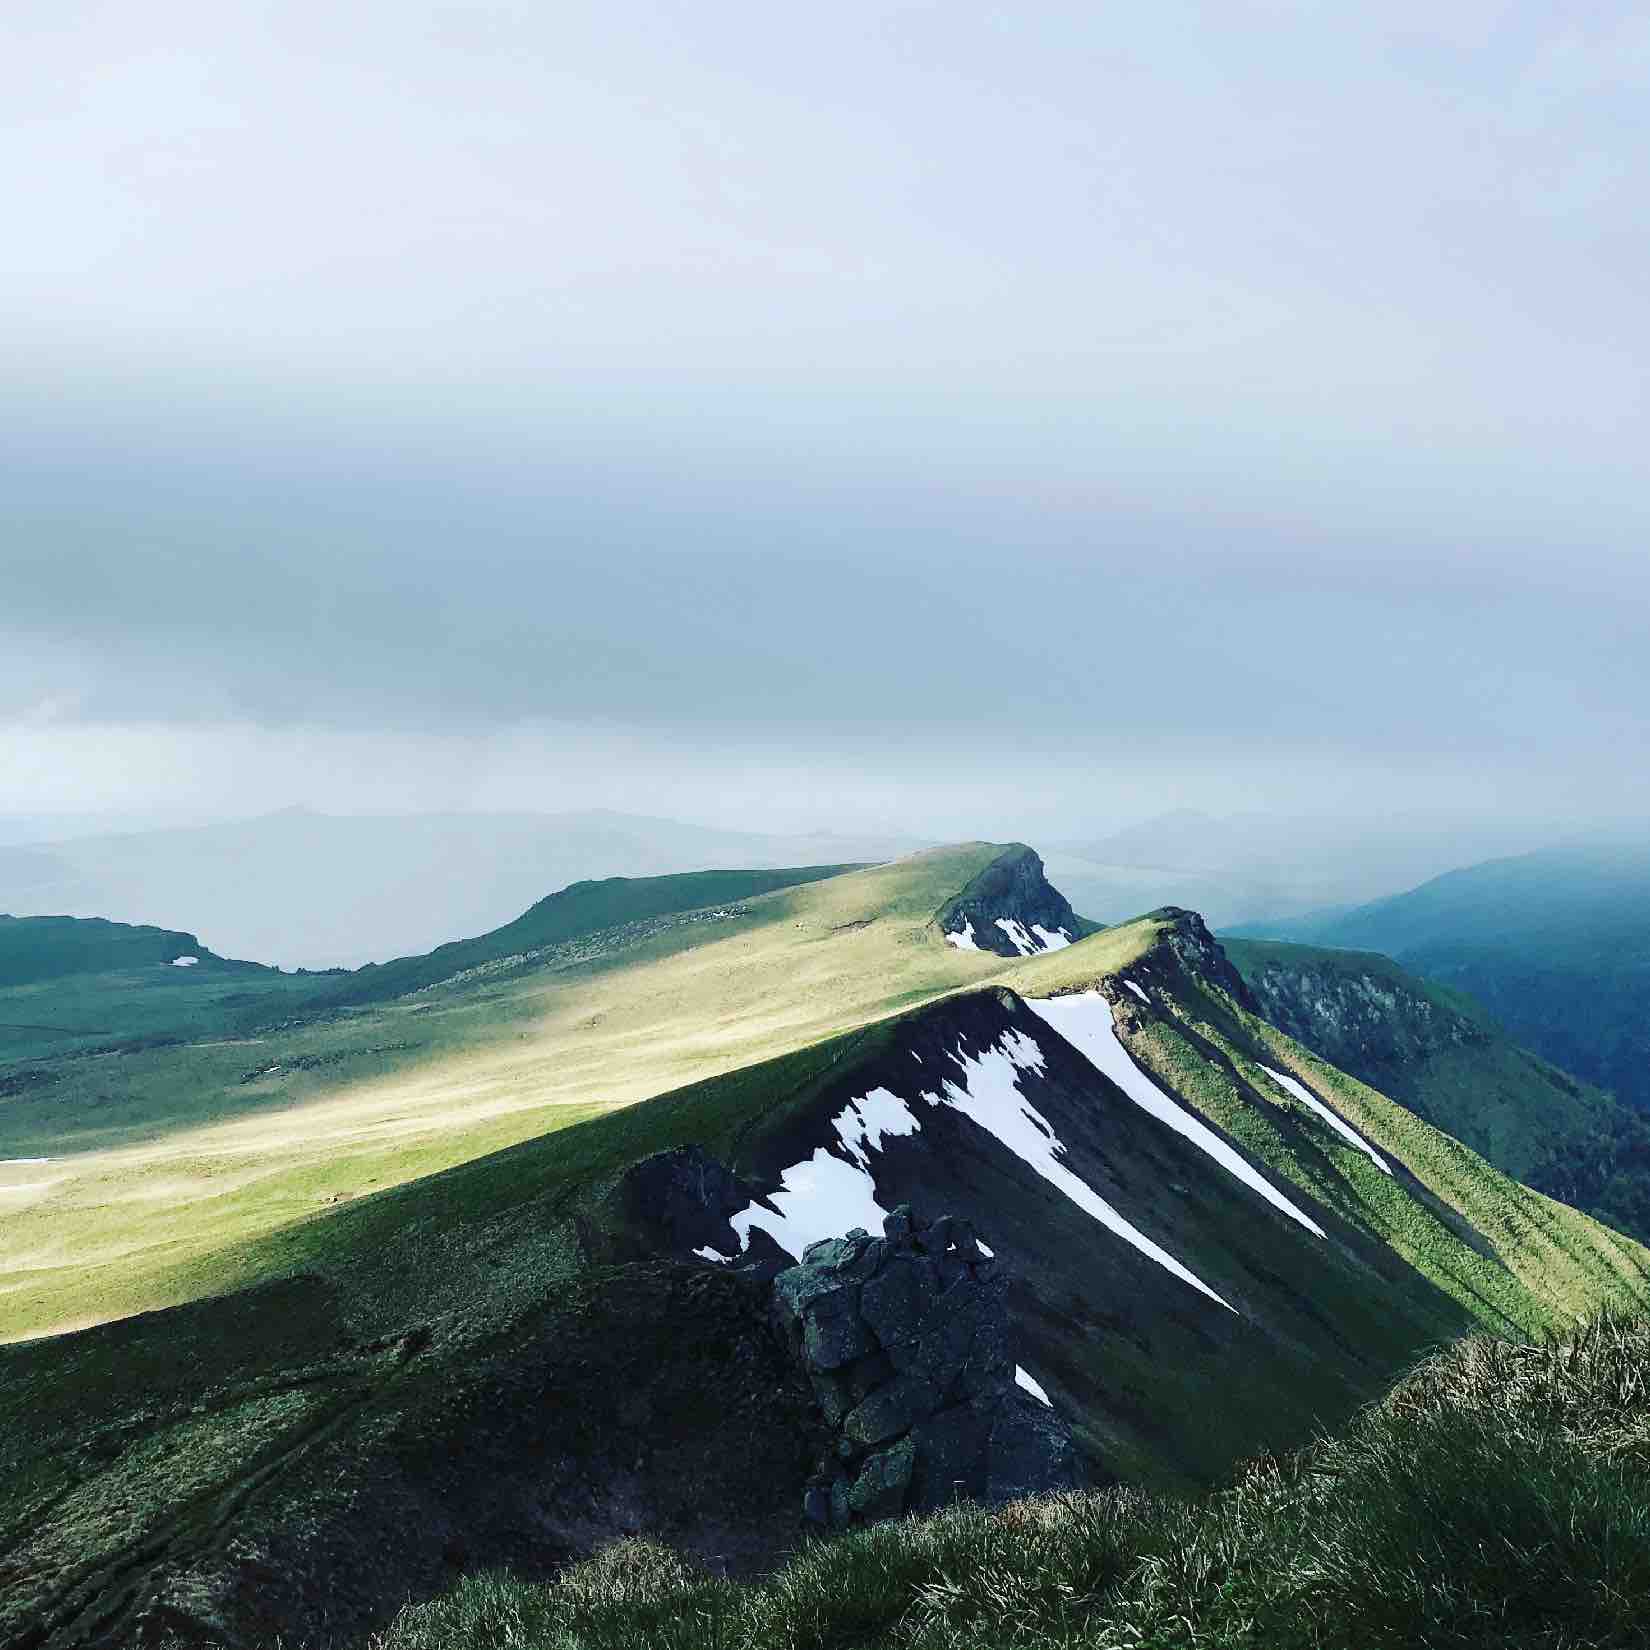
[{"x": 1324, "y": 1236}]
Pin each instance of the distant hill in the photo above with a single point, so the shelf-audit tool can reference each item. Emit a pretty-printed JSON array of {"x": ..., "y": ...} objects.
[
  {"x": 307, "y": 890},
  {"x": 34, "y": 949},
  {"x": 1244, "y": 867},
  {"x": 1555, "y": 945}
]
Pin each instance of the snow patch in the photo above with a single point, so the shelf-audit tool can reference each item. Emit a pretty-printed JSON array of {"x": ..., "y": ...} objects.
[
  {"x": 826, "y": 1196},
  {"x": 989, "y": 1094},
  {"x": 1289, "y": 1085},
  {"x": 184, "y": 962},
  {"x": 821, "y": 1198},
  {"x": 1085, "y": 1021},
  {"x": 1021, "y": 1379},
  {"x": 707, "y": 1253},
  {"x": 985, "y": 1249},
  {"x": 1017, "y": 936},
  {"x": 1056, "y": 941},
  {"x": 878, "y": 1115},
  {"x": 963, "y": 939},
  {"x": 1137, "y": 991}
]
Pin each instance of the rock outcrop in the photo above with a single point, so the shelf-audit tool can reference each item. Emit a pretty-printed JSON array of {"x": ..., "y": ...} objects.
[
  {"x": 1200, "y": 954},
  {"x": 1012, "y": 909},
  {"x": 679, "y": 1203},
  {"x": 904, "y": 1339}
]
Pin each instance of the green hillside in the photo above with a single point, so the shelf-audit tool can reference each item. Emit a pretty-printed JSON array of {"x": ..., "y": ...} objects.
[
  {"x": 182, "y": 1114},
  {"x": 1492, "y": 1501},
  {"x": 499, "y": 1364},
  {"x": 570, "y": 914},
  {"x": 1446, "y": 1059},
  {"x": 1555, "y": 945},
  {"x": 36, "y": 949}
]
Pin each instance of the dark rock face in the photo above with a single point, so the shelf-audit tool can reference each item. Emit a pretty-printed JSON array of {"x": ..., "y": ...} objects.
[
  {"x": 904, "y": 1339},
  {"x": 1200, "y": 953},
  {"x": 678, "y": 1203},
  {"x": 1014, "y": 887},
  {"x": 1363, "y": 1021}
]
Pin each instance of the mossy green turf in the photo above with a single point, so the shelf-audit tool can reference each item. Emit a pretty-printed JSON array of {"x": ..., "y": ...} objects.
[
  {"x": 1554, "y": 944},
  {"x": 1494, "y": 1501},
  {"x": 1443, "y": 1056}
]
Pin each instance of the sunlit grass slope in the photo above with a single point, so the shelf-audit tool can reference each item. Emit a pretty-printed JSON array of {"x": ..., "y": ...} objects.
[
  {"x": 1443, "y": 1056},
  {"x": 267, "y": 1126},
  {"x": 1518, "y": 1261}
]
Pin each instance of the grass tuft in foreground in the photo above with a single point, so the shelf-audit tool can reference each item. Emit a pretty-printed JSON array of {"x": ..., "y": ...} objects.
[{"x": 1499, "y": 1496}]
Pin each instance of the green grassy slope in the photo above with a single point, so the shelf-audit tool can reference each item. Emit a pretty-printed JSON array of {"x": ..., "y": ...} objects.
[
  {"x": 1493, "y": 1501},
  {"x": 432, "y": 1377},
  {"x": 34, "y": 949},
  {"x": 1446, "y": 1059},
  {"x": 1511, "y": 1256},
  {"x": 1555, "y": 945},
  {"x": 571, "y": 913},
  {"x": 243, "y": 1103}
]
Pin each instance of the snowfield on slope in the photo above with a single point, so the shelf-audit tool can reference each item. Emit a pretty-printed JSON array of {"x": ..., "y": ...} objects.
[
  {"x": 827, "y": 1195},
  {"x": 1085, "y": 1021},
  {"x": 1300, "y": 1091},
  {"x": 1029, "y": 1384},
  {"x": 1046, "y": 939}
]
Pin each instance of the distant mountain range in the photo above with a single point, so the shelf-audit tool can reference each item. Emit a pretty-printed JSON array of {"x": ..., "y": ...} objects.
[
  {"x": 1554, "y": 944},
  {"x": 300, "y": 889},
  {"x": 1244, "y": 867}
]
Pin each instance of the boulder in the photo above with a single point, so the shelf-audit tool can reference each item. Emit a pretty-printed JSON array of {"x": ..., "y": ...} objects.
[{"x": 879, "y": 1490}]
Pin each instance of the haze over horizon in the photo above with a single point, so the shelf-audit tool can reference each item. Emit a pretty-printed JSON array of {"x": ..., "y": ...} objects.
[{"x": 908, "y": 419}]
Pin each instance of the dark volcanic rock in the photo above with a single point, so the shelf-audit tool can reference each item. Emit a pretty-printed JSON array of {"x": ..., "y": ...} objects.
[
  {"x": 904, "y": 1339},
  {"x": 677, "y": 1203},
  {"x": 1200, "y": 953},
  {"x": 1012, "y": 886}
]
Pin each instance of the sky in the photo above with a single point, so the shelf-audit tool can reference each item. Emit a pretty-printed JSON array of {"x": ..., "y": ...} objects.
[{"x": 958, "y": 420}]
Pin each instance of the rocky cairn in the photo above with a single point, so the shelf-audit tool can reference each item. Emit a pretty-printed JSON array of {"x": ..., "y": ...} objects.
[{"x": 904, "y": 1339}]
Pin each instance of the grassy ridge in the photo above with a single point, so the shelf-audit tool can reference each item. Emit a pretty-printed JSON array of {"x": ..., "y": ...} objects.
[
  {"x": 203, "y": 1138},
  {"x": 1514, "y": 1258},
  {"x": 33, "y": 949},
  {"x": 570, "y": 913},
  {"x": 1493, "y": 1499}
]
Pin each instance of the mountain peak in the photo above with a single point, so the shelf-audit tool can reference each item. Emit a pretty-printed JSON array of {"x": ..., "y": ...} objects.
[{"x": 1012, "y": 909}]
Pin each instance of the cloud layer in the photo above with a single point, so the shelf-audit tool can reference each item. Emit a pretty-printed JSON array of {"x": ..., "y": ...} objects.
[{"x": 1236, "y": 397}]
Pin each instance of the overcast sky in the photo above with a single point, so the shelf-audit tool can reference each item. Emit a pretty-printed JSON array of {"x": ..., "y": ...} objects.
[{"x": 949, "y": 418}]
